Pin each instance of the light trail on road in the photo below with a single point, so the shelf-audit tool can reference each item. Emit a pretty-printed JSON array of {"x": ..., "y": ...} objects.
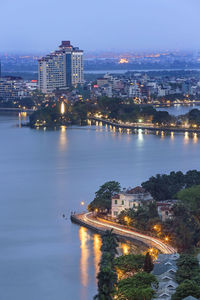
[{"x": 166, "y": 249}]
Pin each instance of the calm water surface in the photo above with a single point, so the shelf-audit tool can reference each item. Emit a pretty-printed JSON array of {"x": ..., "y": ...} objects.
[
  {"x": 45, "y": 174},
  {"x": 180, "y": 109}
]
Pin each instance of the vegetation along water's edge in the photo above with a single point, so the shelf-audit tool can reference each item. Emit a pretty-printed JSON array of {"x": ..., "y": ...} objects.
[{"x": 118, "y": 113}]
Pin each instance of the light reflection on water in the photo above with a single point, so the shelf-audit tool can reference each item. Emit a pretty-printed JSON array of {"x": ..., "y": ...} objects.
[
  {"x": 87, "y": 252},
  {"x": 195, "y": 138},
  {"x": 97, "y": 252},
  {"x": 63, "y": 138},
  {"x": 140, "y": 133},
  {"x": 186, "y": 138},
  {"x": 84, "y": 237}
]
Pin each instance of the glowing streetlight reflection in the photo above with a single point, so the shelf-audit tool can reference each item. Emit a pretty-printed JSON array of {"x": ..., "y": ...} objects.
[
  {"x": 186, "y": 138},
  {"x": 195, "y": 138},
  {"x": 62, "y": 138},
  {"x": 63, "y": 128},
  {"x": 84, "y": 256},
  {"x": 140, "y": 135},
  {"x": 97, "y": 252}
]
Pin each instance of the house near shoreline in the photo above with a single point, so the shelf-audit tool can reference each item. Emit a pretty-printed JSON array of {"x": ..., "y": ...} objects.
[
  {"x": 129, "y": 198},
  {"x": 135, "y": 197},
  {"x": 165, "y": 210}
]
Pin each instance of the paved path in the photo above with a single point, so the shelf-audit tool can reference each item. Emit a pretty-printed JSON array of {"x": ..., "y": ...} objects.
[
  {"x": 103, "y": 225},
  {"x": 151, "y": 127}
]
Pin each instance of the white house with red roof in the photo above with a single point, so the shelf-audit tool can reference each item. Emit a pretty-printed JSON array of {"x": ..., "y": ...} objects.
[{"x": 130, "y": 198}]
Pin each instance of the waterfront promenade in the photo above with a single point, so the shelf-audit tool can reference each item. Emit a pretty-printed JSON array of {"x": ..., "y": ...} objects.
[
  {"x": 150, "y": 127},
  {"x": 101, "y": 225}
]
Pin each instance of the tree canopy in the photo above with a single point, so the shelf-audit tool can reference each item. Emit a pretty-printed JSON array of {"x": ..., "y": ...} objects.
[
  {"x": 143, "y": 218},
  {"x": 164, "y": 187},
  {"x": 148, "y": 263},
  {"x": 188, "y": 277},
  {"x": 130, "y": 264},
  {"x": 188, "y": 268},
  {"x": 185, "y": 289},
  {"x": 107, "y": 277},
  {"x": 138, "y": 287},
  {"x": 190, "y": 197},
  {"x": 162, "y": 118},
  {"x": 103, "y": 197},
  {"x": 194, "y": 117}
]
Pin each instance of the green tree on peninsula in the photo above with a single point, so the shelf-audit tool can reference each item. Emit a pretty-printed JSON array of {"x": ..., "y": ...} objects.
[{"x": 103, "y": 197}]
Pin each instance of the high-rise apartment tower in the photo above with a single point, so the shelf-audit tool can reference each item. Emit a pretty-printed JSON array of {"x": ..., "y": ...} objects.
[{"x": 60, "y": 69}]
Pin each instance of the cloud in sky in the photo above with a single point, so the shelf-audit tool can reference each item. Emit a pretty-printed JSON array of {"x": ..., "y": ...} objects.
[{"x": 40, "y": 25}]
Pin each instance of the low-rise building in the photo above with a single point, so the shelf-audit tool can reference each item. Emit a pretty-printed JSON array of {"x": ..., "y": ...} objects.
[
  {"x": 102, "y": 81},
  {"x": 165, "y": 210},
  {"x": 130, "y": 198},
  {"x": 165, "y": 269},
  {"x": 15, "y": 88}
]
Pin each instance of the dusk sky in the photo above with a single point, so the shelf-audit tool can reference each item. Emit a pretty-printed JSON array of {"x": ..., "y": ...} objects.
[{"x": 40, "y": 25}]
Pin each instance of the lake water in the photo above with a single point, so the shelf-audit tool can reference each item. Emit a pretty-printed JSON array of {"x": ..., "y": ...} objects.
[
  {"x": 179, "y": 109},
  {"x": 45, "y": 174}
]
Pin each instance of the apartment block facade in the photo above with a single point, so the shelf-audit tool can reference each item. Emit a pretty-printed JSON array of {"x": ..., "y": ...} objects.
[
  {"x": 60, "y": 69},
  {"x": 11, "y": 88}
]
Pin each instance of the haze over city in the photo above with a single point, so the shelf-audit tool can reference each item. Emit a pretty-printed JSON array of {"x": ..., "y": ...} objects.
[
  {"x": 104, "y": 25},
  {"x": 99, "y": 156}
]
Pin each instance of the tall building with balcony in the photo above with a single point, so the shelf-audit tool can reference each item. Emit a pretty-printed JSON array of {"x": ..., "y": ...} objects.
[{"x": 60, "y": 69}]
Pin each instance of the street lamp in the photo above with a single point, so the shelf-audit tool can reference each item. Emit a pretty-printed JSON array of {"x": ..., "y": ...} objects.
[
  {"x": 166, "y": 239},
  {"x": 125, "y": 218}
]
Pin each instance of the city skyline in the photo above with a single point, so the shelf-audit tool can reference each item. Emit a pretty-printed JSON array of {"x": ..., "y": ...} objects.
[{"x": 134, "y": 25}]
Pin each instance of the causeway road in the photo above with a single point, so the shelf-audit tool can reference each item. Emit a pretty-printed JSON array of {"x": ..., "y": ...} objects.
[{"x": 101, "y": 225}]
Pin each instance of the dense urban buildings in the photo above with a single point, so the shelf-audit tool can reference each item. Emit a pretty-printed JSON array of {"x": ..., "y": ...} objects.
[
  {"x": 60, "y": 69},
  {"x": 15, "y": 88},
  {"x": 160, "y": 87}
]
